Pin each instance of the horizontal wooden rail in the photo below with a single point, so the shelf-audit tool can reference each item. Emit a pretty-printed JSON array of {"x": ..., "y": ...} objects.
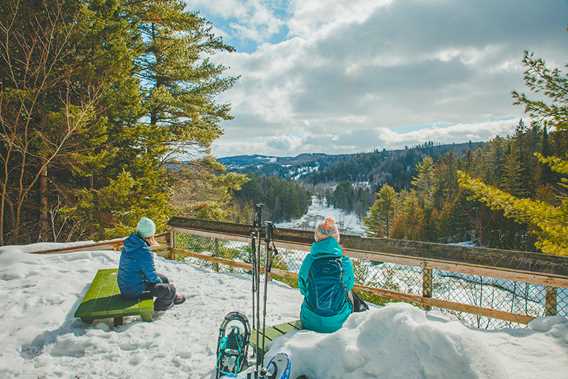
[
  {"x": 392, "y": 295},
  {"x": 534, "y": 268},
  {"x": 114, "y": 244}
]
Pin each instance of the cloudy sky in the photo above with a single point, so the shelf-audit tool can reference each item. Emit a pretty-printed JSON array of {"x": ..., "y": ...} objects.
[{"x": 344, "y": 76}]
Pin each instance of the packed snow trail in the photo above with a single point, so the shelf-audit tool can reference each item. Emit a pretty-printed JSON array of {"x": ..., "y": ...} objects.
[{"x": 41, "y": 339}]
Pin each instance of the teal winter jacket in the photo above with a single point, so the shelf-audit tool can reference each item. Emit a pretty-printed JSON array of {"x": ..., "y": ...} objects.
[
  {"x": 136, "y": 267},
  {"x": 310, "y": 318}
]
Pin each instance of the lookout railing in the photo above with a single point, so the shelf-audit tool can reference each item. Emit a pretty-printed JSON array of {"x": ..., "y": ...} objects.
[{"x": 484, "y": 288}]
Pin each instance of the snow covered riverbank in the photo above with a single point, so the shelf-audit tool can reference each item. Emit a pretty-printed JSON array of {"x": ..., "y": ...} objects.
[
  {"x": 41, "y": 339},
  {"x": 349, "y": 223}
]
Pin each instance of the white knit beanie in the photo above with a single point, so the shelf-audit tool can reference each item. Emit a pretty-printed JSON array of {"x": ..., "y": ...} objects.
[{"x": 146, "y": 227}]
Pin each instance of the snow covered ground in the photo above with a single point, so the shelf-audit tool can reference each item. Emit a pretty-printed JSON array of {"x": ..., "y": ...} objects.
[
  {"x": 41, "y": 339},
  {"x": 348, "y": 223}
]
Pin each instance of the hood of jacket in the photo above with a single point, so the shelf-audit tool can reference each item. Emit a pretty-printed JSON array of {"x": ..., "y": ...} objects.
[
  {"x": 326, "y": 247},
  {"x": 133, "y": 243}
]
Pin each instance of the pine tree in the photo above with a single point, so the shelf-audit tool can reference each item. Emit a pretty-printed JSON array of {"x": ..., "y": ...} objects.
[
  {"x": 513, "y": 175},
  {"x": 425, "y": 182},
  {"x": 425, "y": 185},
  {"x": 203, "y": 189},
  {"x": 179, "y": 80},
  {"x": 380, "y": 216},
  {"x": 408, "y": 221}
]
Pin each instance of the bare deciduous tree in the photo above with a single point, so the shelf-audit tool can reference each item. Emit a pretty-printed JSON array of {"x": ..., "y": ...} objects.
[{"x": 41, "y": 108}]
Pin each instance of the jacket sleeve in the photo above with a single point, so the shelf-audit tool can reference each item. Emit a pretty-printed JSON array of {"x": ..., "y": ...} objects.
[
  {"x": 147, "y": 262},
  {"x": 348, "y": 276},
  {"x": 303, "y": 274}
]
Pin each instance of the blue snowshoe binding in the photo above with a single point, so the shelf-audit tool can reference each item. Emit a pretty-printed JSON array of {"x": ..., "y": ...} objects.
[
  {"x": 232, "y": 345},
  {"x": 279, "y": 367}
]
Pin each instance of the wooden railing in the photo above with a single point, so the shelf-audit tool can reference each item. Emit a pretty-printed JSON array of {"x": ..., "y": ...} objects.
[
  {"x": 520, "y": 266},
  {"x": 114, "y": 244},
  {"x": 551, "y": 272}
]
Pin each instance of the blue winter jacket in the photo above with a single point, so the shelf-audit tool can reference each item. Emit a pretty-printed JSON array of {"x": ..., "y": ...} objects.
[
  {"x": 310, "y": 319},
  {"x": 136, "y": 267}
]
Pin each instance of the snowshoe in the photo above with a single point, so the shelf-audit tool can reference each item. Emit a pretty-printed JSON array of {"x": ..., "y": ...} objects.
[
  {"x": 232, "y": 345},
  {"x": 279, "y": 367}
]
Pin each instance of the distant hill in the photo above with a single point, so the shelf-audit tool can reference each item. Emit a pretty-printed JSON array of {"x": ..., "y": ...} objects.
[
  {"x": 395, "y": 167},
  {"x": 293, "y": 168}
]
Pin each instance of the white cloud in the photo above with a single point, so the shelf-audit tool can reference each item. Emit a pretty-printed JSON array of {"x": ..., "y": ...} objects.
[
  {"x": 348, "y": 67},
  {"x": 320, "y": 16},
  {"x": 446, "y": 134},
  {"x": 246, "y": 19},
  {"x": 299, "y": 141}
]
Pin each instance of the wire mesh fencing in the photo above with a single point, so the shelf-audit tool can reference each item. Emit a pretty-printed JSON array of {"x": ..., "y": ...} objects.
[{"x": 514, "y": 297}]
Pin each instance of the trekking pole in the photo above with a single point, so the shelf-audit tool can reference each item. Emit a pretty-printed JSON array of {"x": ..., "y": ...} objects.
[
  {"x": 267, "y": 268},
  {"x": 258, "y": 224},
  {"x": 253, "y": 265}
]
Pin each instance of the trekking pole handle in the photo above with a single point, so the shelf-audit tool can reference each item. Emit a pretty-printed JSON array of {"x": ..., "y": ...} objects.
[
  {"x": 258, "y": 215},
  {"x": 269, "y": 228}
]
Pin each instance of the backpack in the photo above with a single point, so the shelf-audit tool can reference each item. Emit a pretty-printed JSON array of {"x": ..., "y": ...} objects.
[{"x": 326, "y": 295}]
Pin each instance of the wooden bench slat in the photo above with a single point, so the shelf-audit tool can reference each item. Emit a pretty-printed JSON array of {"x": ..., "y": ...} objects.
[
  {"x": 285, "y": 328},
  {"x": 274, "y": 332},
  {"x": 296, "y": 324},
  {"x": 253, "y": 339}
]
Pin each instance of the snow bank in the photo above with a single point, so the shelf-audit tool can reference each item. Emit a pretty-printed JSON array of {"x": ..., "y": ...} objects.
[
  {"x": 32, "y": 248},
  {"x": 402, "y": 341},
  {"x": 20, "y": 264}
]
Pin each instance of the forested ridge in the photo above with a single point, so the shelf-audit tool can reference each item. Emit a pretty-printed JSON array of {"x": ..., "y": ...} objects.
[
  {"x": 376, "y": 167},
  {"x": 395, "y": 167}
]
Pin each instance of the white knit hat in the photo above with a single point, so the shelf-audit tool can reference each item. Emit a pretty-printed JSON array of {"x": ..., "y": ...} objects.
[{"x": 146, "y": 227}]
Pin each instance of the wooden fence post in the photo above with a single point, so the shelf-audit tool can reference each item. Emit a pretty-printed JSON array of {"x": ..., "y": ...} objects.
[
  {"x": 426, "y": 284},
  {"x": 172, "y": 244},
  {"x": 215, "y": 253},
  {"x": 550, "y": 306}
]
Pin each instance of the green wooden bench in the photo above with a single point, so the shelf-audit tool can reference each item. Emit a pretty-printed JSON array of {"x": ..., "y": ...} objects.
[
  {"x": 103, "y": 300},
  {"x": 272, "y": 333}
]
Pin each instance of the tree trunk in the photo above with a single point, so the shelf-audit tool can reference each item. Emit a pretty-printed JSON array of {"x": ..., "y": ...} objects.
[
  {"x": 2, "y": 210},
  {"x": 43, "y": 207}
]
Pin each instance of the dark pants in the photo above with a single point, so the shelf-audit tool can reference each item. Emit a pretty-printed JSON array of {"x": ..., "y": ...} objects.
[
  {"x": 164, "y": 292},
  {"x": 359, "y": 304}
]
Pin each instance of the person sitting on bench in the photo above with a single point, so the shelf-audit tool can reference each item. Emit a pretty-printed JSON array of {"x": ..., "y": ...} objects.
[
  {"x": 137, "y": 275},
  {"x": 326, "y": 280}
]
